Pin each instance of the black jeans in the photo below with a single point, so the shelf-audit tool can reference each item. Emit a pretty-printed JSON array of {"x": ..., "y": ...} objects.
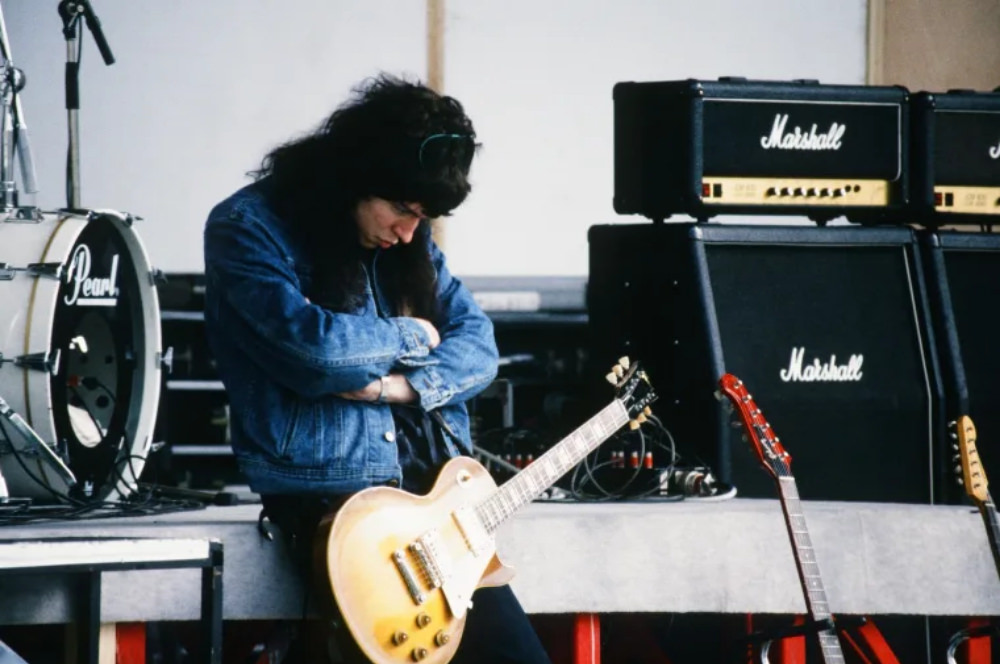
[{"x": 497, "y": 630}]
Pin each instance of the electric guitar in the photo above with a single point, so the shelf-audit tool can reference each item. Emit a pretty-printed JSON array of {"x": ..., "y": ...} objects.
[
  {"x": 778, "y": 462},
  {"x": 402, "y": 568},
  {"x": 974, "y": 480}
]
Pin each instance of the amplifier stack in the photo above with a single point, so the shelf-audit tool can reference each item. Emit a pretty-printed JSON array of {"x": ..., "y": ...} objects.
[{"x": 862, "y": 341}]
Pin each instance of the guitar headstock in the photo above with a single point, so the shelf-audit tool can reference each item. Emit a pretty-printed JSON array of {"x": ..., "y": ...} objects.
[
  {"x": 973, "y": 476},
  {"x": 767, "y": 446},
  {"x": 633, "y": 390}
]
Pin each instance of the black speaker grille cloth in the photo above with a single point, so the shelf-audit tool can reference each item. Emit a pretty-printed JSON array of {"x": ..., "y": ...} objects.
[
  {"x": 974, "y": 284},
  {"x": 866, "y": 439}
]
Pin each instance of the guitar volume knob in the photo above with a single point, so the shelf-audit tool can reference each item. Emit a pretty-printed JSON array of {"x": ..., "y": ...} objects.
[
  {"x": 442, "y": 638},
  {"x": 400, "y": 637},
  {"x": 419, "y": 654},
  {"x": 423, "y": 620}
]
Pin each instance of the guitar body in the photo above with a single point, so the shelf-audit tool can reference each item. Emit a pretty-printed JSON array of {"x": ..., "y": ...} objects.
[
  {"x": 402, "y": 568},
  {"x": 378, "y": 606}
]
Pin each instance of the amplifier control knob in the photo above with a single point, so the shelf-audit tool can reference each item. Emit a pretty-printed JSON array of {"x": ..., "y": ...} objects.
[
  {"x": 785, "y": 191},
  {"x": 837, "y": 193},
  {"x": 824, "y": 192},
  {"x": 811, "y": 191},
  {"x": 771, "y": 191},
  {"x": 798, "y": 191}
]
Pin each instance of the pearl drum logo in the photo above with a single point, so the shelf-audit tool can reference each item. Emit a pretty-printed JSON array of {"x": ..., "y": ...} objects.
[
  {"x": 779, "y": 139},
  {"x": 85, "y": 290},
  {"x": 821, "y": 372}
]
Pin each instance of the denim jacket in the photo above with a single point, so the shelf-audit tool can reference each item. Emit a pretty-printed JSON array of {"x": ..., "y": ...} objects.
[{"x": 283, "y": 360}]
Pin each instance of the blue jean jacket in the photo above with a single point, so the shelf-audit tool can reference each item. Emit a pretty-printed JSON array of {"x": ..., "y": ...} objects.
[{"x": 283, "y": 360}]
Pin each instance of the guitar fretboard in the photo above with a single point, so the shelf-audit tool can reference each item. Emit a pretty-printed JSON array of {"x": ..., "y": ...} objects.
[
  {"x": 808, "y": 568},
  {"x": 544, "y": 471}
]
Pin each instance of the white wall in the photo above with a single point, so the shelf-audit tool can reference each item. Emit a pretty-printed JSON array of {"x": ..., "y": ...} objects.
[{"x": 202, "y": 88}]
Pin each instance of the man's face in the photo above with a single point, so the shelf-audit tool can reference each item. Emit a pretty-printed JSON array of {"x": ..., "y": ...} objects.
[{"x": 382, "y": 223}]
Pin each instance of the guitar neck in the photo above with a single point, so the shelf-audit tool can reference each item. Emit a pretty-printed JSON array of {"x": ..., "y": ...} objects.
[
  {"x": 808, "y": 568},
  {"x": 989, "y": 512},
  {"x": 544, "y": 471}
]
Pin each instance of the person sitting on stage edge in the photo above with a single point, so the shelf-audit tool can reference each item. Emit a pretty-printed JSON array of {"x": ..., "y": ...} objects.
[{"x": 347, "y": 348}]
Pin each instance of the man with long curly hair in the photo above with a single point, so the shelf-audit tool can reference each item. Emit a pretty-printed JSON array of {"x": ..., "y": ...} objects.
[{"x": 347, "y": 348}]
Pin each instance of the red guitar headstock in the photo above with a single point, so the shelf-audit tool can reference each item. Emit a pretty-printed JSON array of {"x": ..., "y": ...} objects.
[{"x": 769, "y": 449}]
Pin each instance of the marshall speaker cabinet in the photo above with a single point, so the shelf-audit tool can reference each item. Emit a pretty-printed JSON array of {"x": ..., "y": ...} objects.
[
  {"x": 827, "y": 327},
  {"x": 964, "y": 287},
  {"x": 704, "y": 148},
  {"x": 955, "y": 173}
]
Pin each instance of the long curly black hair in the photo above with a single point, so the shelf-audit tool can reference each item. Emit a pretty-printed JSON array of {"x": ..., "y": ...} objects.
[{"x": 392, "y": 139}]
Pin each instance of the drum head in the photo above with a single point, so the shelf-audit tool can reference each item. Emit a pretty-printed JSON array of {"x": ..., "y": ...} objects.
[{"x": 97, "y": 404}]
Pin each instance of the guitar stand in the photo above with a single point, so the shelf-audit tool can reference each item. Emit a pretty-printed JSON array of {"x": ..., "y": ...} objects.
[
  {"x": 859, "y": 632},
  {"x": 967, "y": 634},
  {"x": 764, "y": 638}
]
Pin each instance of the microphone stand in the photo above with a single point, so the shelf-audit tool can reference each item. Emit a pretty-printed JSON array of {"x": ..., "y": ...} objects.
[
  {"x": 14, "y": 138},
  {"x": 71, "y": 11}
]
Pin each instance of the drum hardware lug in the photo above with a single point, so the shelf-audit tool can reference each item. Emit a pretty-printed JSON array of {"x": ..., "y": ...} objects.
[
  {"x": 36, "y": 361},
  {"x": 23, "y": 215},
  {"x": 123, "y": 217},
  {"x": 166, "y": 360},
  {"x": 52, "y": 270},
  {"x": 158, "y": 277}
]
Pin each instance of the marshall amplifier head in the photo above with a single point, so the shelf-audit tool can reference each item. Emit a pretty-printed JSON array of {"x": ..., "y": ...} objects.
[
  {"x": 734, "y": 146},
  {"x": 955, "y": 166},
  {"x": 827, "y": 327}
]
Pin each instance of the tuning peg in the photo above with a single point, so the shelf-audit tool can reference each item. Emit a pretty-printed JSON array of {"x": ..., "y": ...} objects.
[
  {"x": 954, "y": 446},
  {"x": 957, "y": 458},
  {"x": 958, "y": 469},
  {"x": 612, "y": 378},
  {"x": 744, "y": 438},
  {"x": 640, "y": 418},
  {"x": 624, "y": 361},
  {"x": 953, "y": 435},
  {"x": 718, "y": 395},
  {"x": 736, "y": 425},
  {"x": 952, "y": 424},
  {"x": 633, "y": 425},
  {"x": 960, "y": 481},
  {"x": 647, "y": 410}
]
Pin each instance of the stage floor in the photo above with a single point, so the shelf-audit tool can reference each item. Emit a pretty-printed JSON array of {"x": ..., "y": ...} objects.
[{"x": 729, "y": 556}]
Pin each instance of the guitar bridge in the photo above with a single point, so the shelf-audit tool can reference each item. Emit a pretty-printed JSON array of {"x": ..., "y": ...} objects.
[
  {"x": 409, "y": 578},
  {"x": 423, "y": 565}
]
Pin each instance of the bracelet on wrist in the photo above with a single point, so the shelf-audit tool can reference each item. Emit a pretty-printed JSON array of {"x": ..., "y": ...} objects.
[{"x": 383, "y": 395}]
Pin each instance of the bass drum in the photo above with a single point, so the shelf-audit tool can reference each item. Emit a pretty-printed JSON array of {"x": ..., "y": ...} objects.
[{"x": 81, "y": 356}]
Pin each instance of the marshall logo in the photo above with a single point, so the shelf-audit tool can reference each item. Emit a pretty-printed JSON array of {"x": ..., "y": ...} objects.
[
  {"x": 779, "y": 139},
  {"x": 825, "y": 372},
  {"x": 87, "y": 291},
  {"x": 995, "y": 151}
]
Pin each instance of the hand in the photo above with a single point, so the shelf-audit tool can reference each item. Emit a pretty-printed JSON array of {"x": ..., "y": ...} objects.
[
  {"x": 432, "y": 333},
  {"x": 397, "y": 390},
  {"x": 369, "y": 392}
]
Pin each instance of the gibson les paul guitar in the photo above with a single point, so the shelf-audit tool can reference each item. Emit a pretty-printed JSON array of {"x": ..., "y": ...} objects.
[
  {"x": 777, "y": 461},
  {"x": 402, "y": 568}
]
